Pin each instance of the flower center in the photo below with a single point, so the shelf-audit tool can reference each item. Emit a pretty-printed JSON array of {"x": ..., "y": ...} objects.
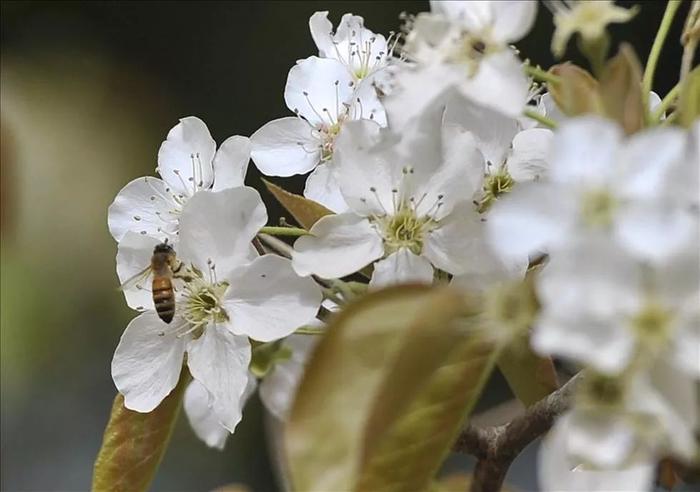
[
  {"x": 598, "y": 207},
  {"x": 599, "y": 390},
  {"x": 495, "y": 185},
  {"x": 652, "y": 324},
  {"x": 327, "y": 135},
  {"x": 405, "y": 229},
  {"x": 203, "y": 304}
]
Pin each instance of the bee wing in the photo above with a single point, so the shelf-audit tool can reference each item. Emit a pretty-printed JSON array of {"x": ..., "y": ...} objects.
[{"x": 134, "y": 281}]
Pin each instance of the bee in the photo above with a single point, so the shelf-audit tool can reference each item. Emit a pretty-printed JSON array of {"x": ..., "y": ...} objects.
[{"x": 164, "y": 267}]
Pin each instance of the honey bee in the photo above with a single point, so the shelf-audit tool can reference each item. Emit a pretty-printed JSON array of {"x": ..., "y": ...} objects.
[{"x": 164, "y": 267}]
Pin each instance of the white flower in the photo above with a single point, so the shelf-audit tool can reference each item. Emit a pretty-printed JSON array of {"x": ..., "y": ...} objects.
[
  {"x": 603, "y": 308},
  {"x": 463, "y": 46},
  {"x": 228, "y": 299},
  {"x": 363, "y": 52},
  {"x": 409, "y": 202},
  {"x": 202, "y": 418},
  {"x": 600, "y": 181},
  {"x": 188, "y": 162},
  {"x": 590, "y": 19},
  {"x": 617, "y": 431},
  {"x": 278, "y": 388}
]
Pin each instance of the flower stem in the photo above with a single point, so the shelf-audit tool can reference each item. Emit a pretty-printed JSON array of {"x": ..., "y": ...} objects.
[
  {"x": 284, "y": 231},
  {"x": 309, "y": 330},
  {"x": 648, "y": 78},
  {"x": 665, "y": 103},
  {"x": 549, "y": 123},
  {"x": 538, "y": 74}
]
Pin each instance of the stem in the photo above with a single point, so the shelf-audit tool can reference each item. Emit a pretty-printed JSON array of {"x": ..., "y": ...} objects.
[
  {"x": 284, "y": 231},
  {"x": 309, "y": 330},
  {"x": 666, "y": 103},
  {"x": 549, "y": 123},
  {"x": 671, "y": 9},
  {"x": 687, "y": 60},
  {"x": 276, "y": 246},
  {"x": 538, "y": 74}
]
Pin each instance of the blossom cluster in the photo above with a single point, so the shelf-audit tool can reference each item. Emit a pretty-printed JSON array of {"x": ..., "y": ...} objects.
[{"x": 419, "y": 146}]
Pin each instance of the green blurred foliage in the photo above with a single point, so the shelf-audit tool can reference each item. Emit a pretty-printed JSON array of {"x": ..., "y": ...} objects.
[{"x": 88, "y": 90}]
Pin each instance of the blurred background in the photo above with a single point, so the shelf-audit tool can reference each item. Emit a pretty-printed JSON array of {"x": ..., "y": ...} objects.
[{"x": 88, "y": 92}]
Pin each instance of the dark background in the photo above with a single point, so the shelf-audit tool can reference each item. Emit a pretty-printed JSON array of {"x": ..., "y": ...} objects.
[{"x": 89, "y": 91}]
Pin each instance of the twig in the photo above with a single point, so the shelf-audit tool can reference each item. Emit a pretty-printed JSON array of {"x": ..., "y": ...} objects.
[
  {"x": 276, "y": 245},
  {"x": 496, "y": 447},
  {"x": 284, "y": 231}
]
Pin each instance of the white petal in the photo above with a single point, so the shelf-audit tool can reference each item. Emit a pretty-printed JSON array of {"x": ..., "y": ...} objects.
[
  {"x": 231, "y": 163},
  {"x": 134, "y": 254},
  {"x": 147, "y": 363},
  {"x": 458, "y": 242},
  {"x": 322, "y": 187},
  {"x": 602, "y": 440},
  {"x": 321, "y": 32},
  {"x": 338, "y": 245},
  {"x": 201, "y": 417},
  {"x": 493, "y": 131},
  {"x": 401, "y": 267},
  {"x": 145, "y": 206},
  {"x": 219, "y": 226},
  {"x": 686, "y": 343},
  {"x": 285, "y": 147},
  {"x": 219, "y": 361},
  {"x": 359, "y": 48},
  {"x": 530, "y": 219},
  {"x": 499, "y": 83},
  {"x": 585, "y": 151},
  {"x": 279, "y": 387},
  {"x": 266, "y": 300},
  {"x": 528, "y": 162},
  {"x": 557, "y": 472},
  {"x": 512, "y": 19},
  {"x": 317, "y": 88},
  {"x": 654, "y": 230},
  {"x": 366, "y": 104},
  {"x": 185, "y": 157},
  {"x": 603, "y": 343}
]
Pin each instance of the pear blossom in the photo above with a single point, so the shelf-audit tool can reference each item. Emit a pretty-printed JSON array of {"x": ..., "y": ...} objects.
[
  {"x": 590, "y": 19},
  {"x": 227, "y": 299},
  {"x": 188, "y": 162},
  {"x": 463, "y": 46},
  {"x": 409, "y": 202},
  {"x": 600, "y": 181}
]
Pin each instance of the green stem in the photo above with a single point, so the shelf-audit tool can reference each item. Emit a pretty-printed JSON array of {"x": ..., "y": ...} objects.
[
  {"x": 309, "y": 330},
  {"x": 538, "y": 74},
  {"x": 284, "y": 231},
  {"x": 666, "y": 103},
  {"x": 671, "y": 9},
  {"x": 540, "y": 118},
  {"x": 331, "y": 296}
]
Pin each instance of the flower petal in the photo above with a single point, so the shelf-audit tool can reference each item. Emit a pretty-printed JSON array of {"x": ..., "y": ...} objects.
[
  {"x": 219, "y": 226},
  {"x": 528, "y": 162},
  {"x": 267, "y": 301},
  {"x": 219, "y": 361},
  {"x": 322, "y": 187},
  {"x": 231, "y": 163},
  {"x": 147, "y": 363},
  {"x": 322, "y": 34},
  {"x": 134, "y": 254},
  {"x": 512, "y": 19},
  {"x": 185, "y": 157},
  {"x": 285, "y": 147},
  {"x": 338, "y": 245},
  {"x": 401, "y": 267},
  {"x": 145, "y": 205},
  {"x": 317, "y": 88}
]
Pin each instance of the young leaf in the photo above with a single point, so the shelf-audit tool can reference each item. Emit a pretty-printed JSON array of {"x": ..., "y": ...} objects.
[
  {"x": 621, "y": 90},
  {"x": 134, "y": 443},
  {"x": 306, "y": 212},
  {"x": 576, "y": 91},
  {"x": 529, "y": 376},
  {"x": 325, "y": 434}
]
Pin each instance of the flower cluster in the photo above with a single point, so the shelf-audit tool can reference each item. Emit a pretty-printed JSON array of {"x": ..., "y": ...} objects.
[{"x": 440, "y": 160}]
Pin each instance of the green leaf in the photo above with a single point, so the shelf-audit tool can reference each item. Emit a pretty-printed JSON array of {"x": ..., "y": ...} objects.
[
  {"x": 576, "y": 91},
  {"x": 529, "y": 376},
  {"x": 621, "y": 90},
  {"x": 306, "y": 212},
  {"x": 386, "y": 360},
  {"x": 134, "y": 443}
]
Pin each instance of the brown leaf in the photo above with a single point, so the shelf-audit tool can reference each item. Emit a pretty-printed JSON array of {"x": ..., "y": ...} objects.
[
  {"x": 621, "y": 90},
  {"x": 134, "y": 443},
  {"x": 529, "y": 376},
  {"x": 306, "y": 212},
  {"x": 576, "y": 93}
]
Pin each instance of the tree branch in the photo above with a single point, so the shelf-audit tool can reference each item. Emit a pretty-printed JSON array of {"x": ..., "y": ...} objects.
[{"x": 497, "y": 447}]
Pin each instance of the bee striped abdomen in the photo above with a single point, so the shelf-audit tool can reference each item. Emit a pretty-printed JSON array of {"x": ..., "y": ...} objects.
[{"x": 164, "y": 298}]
